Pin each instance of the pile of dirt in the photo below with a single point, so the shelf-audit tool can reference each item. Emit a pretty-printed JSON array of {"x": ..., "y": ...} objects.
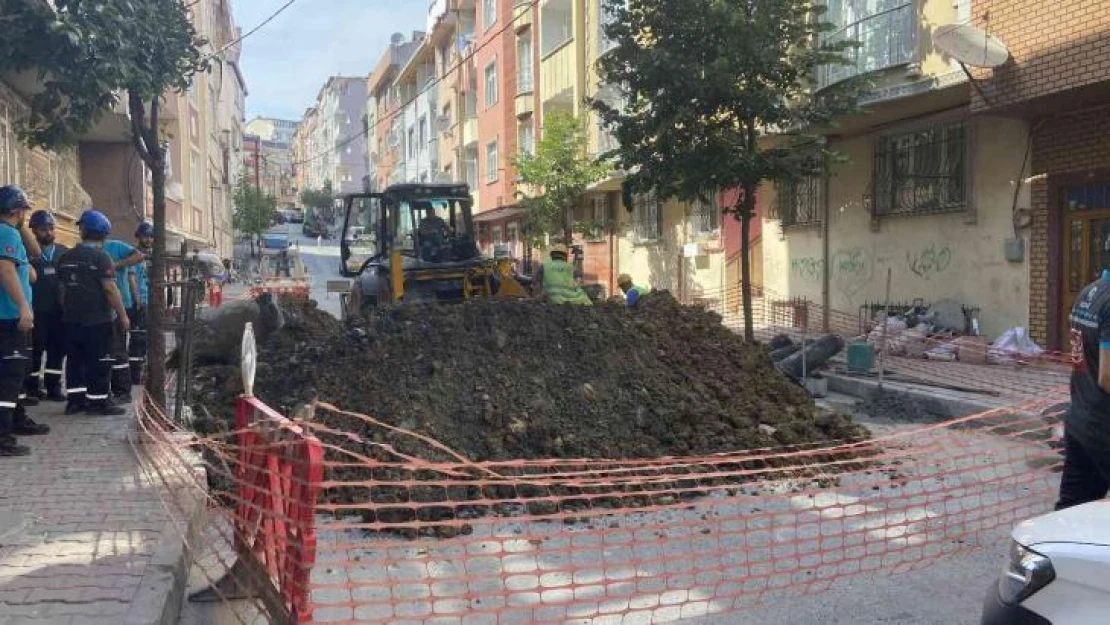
[{"x": 502, "y": 379}]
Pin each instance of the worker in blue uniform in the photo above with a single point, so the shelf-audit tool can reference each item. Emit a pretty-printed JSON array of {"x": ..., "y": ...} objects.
[
  {"x": 16, "y": 321},
  {"x": 124, "y": 256},
  {"x": 136, "y": 345},
  {"x": 48, "y": 337}
]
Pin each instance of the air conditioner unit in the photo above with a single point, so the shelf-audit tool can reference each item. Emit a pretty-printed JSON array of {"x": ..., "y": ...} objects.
[
  {"x": 394, "y": 139},
  {"x": 443, "y": 123}
]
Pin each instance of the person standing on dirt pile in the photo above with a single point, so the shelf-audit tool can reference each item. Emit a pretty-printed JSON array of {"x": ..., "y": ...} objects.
[
  {"x": 124, "y": 257},
  {"x": 16, "y": 321},
  {"x": 92, "y": 309},
  {"x": 48, "y": 337},
  {"x": 136, "y": 345},
  {"x": 1086, "y": 475},
  {"x": 632, "y": 293},
  {"x": 557, "y": 282}
]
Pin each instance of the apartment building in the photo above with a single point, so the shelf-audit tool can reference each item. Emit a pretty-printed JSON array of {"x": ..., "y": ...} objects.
[
  {"x": 450, "y": 32},
  {"x": 203, "y": 130},
  {"x": 384, "y": 123},
  {"x": 331, "y": 138},
  {"x": 273, "y": 129},
  {"x": 1055, "y": 96}
]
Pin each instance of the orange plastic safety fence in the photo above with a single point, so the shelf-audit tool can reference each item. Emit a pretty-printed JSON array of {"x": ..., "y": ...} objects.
[
  {"x": 411, "y": 532},
  {"x": 258, "y": 485}
]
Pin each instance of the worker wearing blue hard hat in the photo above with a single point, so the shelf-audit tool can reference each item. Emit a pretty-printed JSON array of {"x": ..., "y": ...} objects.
[
  {"x": 136, "y": 345},
  {"x": 92, "y": 310},
  {"x": 48, "y": 336},
  {"x": 124, "y": 257},
  {"x": 16, "y": 320}
]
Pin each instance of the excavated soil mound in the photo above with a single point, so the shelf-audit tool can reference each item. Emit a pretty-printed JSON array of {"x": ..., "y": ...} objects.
[{"x": 499, "y": 380}]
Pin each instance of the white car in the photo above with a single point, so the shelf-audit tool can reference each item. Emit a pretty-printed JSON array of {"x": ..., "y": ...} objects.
[{"x": 1058, "y": 572}]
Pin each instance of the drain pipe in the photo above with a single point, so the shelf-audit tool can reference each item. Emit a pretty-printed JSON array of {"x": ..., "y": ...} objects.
[{"x": 826, "y": 302}]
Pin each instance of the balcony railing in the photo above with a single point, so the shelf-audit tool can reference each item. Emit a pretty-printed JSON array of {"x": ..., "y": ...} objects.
[{"x": 886, "y": 39}]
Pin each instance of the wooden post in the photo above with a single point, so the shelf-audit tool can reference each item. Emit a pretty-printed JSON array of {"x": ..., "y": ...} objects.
[{"x": 886, "y": 320}]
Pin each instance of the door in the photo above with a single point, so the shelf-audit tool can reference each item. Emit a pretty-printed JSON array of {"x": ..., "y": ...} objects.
[{"x": 1086, "y": 210}]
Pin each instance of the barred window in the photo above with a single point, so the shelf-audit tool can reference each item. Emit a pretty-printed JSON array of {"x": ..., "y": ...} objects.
[
  {"x": 921, "y": 172},
  {"x": 798, "y": 202},
  {"x": 705, "y": 215},
  {"x": 647, "y": 217}
]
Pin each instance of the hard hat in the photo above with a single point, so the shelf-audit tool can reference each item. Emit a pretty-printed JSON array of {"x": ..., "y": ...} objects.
[
  {"x": 94, "y": 221},
  {"x": 12, "y": 199},
  {"x": 624, "y": 279},
  {"x": 558, "y": 248},
  {"x": 41, "y": 218},
  {"x": 145, "y": 229}
]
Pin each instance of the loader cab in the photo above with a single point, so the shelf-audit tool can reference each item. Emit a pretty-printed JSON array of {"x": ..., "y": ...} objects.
[{"x": 427, "y": 224}]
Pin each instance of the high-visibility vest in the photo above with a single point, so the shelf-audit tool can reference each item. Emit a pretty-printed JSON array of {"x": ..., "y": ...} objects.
[{"x": 559, "y": 285}]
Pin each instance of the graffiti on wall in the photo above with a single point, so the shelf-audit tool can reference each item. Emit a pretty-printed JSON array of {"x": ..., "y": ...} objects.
[
  {"x": 850, "y": 269},
  {"x": 929, "y": 261}
]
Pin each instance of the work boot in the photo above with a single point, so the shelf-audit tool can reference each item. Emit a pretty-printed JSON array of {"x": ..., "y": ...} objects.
[
  {"x": 105, "y": 408},
  {"x": 27, "y": 427},
  {"x": 75, "y": 407},
  {"x": 10, "y": 448},
  {"x": 55, "y": 394}
]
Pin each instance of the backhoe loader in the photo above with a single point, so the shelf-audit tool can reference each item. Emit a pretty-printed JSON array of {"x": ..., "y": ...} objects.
[{"x": 415, "y": 243}]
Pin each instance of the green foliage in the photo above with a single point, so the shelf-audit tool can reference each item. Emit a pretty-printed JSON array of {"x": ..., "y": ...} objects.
[
  {"x": 319, "y": 204},
  {"x": 719, "y": 94},
  {"x": 89, "y": 52},
  {"x": 557, "y": 175},
  {"x": 704, "y": 80},
  {"x": 254, "y": 210}
]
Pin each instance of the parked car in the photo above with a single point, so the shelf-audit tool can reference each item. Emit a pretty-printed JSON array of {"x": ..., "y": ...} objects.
[{"x": 1058, "y": 572}]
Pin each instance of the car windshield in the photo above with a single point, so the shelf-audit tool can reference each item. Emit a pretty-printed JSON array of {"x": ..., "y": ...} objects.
[{"x": 362, "y": 230}]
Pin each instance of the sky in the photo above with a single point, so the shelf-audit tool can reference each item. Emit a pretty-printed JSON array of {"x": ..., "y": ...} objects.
[{"x": 288, "y": 60}]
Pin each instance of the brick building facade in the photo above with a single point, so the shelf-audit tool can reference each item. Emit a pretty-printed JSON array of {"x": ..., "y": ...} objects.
[{"x": 1058, "y": 81}]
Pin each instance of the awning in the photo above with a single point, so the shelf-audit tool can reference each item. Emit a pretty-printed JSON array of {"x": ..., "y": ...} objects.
[{"x": 499, "y": 213}]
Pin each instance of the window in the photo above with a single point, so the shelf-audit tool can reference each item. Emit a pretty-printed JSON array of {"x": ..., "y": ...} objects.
[
  {"x": 883, "y": 28},
  {"x": 598, "y": 216},
  {"x": 447, "y": 122},
  {"x": 705, "y": 215},
  {"x": 647, "y": 217},
  {"x": 524, "y": 62},
  {"x": 922, "y": 171},
  {"x": 489, "y": 12},
  {"x": 605, "y": 17},
  {"x": 526, "y": 135},
  {"x": 423, "y": 132},
  {"x": 196, "y": 176},
  {"x": 798, "y": 202},
  {"x": 491, "y": 84},
  {"x": 492, "y": 162},
  {"x": 471, "y": 165},
  {"x": 556, "y": 25},
  {"x": 498, "y": 239},
  {"x": 198, "y": 220},
  {"x": 412, "y": 142}
]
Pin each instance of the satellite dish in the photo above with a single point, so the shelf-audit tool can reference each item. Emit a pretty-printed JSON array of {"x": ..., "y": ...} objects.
[{"x": 970, "y": 45}]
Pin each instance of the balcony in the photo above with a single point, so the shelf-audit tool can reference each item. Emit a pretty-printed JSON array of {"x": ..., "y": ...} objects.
[
  {"x": 557, "y": 74},
  {"x": 525, "y": 103},
  {"x": 522, "y": 15}
]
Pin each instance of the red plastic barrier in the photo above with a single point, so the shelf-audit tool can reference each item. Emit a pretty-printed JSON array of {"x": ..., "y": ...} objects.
[{"x": 278, "y": 475}]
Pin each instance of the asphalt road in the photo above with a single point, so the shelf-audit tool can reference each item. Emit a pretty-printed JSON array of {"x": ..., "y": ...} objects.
[{"x": 321, "y": 261}]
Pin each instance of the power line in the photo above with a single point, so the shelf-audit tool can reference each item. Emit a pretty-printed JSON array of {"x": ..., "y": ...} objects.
[
  {"x": 496, "y": 35},
  {"x": 250, "y": 32}
]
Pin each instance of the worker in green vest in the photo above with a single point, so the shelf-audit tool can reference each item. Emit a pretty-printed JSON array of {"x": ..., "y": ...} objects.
[
  {"x": 632, "y": 293},
  {"x": 556, "y": 281}
]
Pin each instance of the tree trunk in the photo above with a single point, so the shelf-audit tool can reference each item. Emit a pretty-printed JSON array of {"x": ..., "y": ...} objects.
[
  {"x": 747, "y": 210},
  {"x": 156, "y": 335}
]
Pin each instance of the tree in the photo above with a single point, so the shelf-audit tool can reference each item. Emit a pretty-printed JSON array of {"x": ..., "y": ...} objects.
[
  {"x": 321, "y": 204},
  {"x": 89, "y": 54},
  {"x": 558, "y": 174},
  {"x": 254, "y": 210},
  {"x": 719, "y": 94}
]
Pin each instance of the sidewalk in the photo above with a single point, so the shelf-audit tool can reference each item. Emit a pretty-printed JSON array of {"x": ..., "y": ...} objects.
[{"x": 84, "y": 535}]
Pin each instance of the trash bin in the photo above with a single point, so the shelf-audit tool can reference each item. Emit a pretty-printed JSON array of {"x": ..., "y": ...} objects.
[{"x": 861, "y": 356}]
